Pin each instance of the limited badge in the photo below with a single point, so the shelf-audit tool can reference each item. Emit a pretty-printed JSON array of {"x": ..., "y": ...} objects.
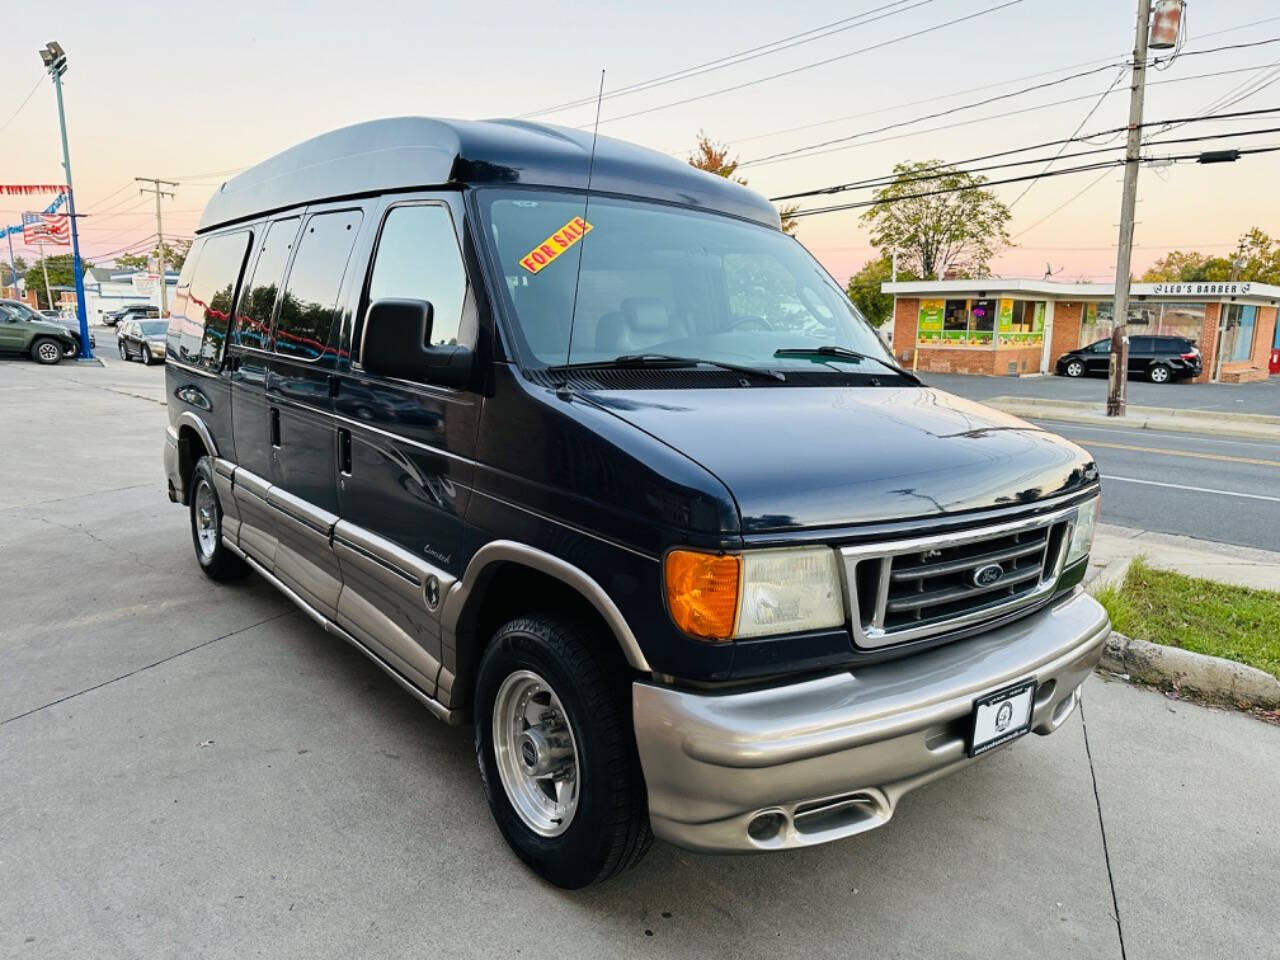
[{"x": 560, "y": 241}]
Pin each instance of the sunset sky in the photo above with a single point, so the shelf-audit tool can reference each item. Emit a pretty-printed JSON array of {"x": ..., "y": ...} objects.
[{"x": 195, "y": 92}]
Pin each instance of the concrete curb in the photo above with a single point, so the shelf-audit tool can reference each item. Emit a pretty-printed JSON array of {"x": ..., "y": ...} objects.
[
  {"x": 1210, "y": 677},
  {"x": 1252, "y": 426}
]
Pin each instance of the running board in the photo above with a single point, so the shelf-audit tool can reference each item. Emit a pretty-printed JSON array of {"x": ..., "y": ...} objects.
[{"x": 438, "y": 709}]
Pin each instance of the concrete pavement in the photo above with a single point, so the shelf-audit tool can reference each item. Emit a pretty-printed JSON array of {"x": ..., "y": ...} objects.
[{"x": 189, "y": 769}]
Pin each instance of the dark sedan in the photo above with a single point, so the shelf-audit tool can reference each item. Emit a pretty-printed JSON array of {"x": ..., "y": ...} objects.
[
  {"x": 142, "y": 340},
  {"x": 1157, "y": 358}
]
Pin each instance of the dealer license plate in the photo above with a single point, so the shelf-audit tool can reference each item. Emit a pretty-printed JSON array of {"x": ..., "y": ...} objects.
[{"x": 1001, "y": 716}]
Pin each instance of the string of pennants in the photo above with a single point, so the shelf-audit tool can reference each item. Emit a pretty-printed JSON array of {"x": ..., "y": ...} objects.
[{"x": 46, "y": 225}]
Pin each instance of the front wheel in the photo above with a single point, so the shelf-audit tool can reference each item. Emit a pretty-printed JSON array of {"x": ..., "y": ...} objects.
[
  {"x": 557, "y": 753},
  {"x": 145, "y": 356},
  {"x": 1160, "y": 373},
  {"x": 215, "y": 557},
  {"x": 1075, "y": 369},
  {"x": 124, "y": 353},
  {"x": 46, "y": 350}
]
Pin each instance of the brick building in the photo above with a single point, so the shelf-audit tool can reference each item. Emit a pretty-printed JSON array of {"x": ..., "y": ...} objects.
[{"x": 1012, "y": 327}]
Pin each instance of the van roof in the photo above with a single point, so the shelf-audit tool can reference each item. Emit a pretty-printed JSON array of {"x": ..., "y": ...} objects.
[{"x": 400, "y": 153}]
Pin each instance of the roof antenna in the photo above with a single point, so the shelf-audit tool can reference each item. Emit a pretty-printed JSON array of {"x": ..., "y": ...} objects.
[{"x": 563, "y": 389}]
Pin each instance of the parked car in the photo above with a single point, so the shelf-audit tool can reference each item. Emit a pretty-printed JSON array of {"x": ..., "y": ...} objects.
[
  {"x": 25, "y": 332},
  {"x": 133, "y": 310},
  {"x": 690, "y": 550},
  {"x": 72, "y": 326},
  {"x": 1158, "y": 358},
  {"x": 142, "y": 340}
]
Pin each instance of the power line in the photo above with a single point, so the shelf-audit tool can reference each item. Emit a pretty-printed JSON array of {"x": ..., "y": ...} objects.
[
  {"x": 816, "y": 149},
  {"x": 818, "y": 63},
  {"x": 887, "y": 179},
  {"x": 743, "y": 56},
  {"x": 1061, "y": 207},
  {"x": 1083, "y": 168},
  {"x": 22, "y": 105}
]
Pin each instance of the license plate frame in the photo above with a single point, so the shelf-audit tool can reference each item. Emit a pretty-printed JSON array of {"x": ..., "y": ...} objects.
[{"x": 985, "y": 720}]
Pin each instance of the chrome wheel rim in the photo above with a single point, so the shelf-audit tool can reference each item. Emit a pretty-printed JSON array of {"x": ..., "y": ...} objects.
[
  {"x": 206, "y": 520},
  {"x": 124, "y": 354},
  {"x": 49, "y": 351},
  {"x": 536, "y": 753},
  {"x": 1159, "y": 375},
  {"x": 1075, "y": 369}
]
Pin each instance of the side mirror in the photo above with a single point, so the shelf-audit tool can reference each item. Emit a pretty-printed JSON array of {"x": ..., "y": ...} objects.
[{"x": 397, "y": 343}]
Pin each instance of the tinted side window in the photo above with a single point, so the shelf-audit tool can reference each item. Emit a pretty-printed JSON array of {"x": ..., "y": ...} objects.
[
  {"x": 253, "y": 319},
  {"x": 418, "y": 259},
  {"x": 315, "y": 280},
  {"x": 1141, "y": 345},
  {"x": 181, "y": 296},
  {"x": 213, "y": 291}
]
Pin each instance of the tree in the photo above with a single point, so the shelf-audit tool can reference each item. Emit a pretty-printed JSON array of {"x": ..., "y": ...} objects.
[
  {"x": 175, "y": 255},
  {"x": 713, "y": 157},
  {"x": 945, "y": 222},
  {"x": 1257, "y": 258},
  {"x": 61, "y": 274},
  {"x": 1179, "y": 266},
  {"x": 864, "y": 289},
  {"x": 6, "y": 271}
]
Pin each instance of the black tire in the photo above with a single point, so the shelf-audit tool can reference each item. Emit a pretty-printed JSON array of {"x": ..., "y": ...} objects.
[
  {"x": 145, "y": 355},
  {"x": 1074, "y": 368},
  {"x": 46, "y": 350},
  {"x": 218, "y": 562},
  {"x": 124, "y": 353},
  {"x": 1160, "y": 374},
  {"x": 610, "y": 830}
]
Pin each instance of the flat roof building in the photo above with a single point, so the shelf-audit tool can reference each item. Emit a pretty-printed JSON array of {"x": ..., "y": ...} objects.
[{"x": 1012, "y": 327}]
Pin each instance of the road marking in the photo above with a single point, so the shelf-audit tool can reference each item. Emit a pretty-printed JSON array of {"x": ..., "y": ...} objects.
[
  {"x": 1183, "y": 486},
  {"x": 1185, "y": 453}
]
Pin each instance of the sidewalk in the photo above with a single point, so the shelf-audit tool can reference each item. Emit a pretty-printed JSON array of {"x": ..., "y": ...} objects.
[
  {"x": 1252, "y": 426},
  {"x": 1114, "y": 547}
]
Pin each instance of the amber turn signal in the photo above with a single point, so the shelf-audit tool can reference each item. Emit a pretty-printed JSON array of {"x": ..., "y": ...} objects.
[{"x": 702, "y": 593}]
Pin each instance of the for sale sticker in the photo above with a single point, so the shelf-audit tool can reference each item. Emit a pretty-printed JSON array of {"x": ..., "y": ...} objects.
[{"x": 560, "y": 241}]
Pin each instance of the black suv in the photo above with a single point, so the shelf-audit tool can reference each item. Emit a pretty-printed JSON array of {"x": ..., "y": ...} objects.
[
  {"x": 135, "y": 311},
  {"x": 621, "y": 477},
  {"x": 1158, "y": 358}
]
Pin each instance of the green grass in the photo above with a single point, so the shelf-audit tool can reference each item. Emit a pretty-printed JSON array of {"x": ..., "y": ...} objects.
[{"x": 1235, "y": 623}]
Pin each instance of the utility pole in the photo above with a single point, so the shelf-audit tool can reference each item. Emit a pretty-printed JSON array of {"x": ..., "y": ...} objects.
[
  {"x": 156, "y": 184},
  {"x": 13, "y": 265},
  {"x": 1118, "y": 372},
  {"x": 54, "y": 59},
  {"x": 48, "y": 290}
]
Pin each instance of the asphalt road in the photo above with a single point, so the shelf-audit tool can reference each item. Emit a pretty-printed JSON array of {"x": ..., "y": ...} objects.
[
  {"x": 1199, "y": 486},
  {"x": 1263, "y": 397},
  {"x": 192, "y": 769}
]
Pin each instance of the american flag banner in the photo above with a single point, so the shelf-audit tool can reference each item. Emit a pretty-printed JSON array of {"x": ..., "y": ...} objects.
[{"x": 53, "y": 228}]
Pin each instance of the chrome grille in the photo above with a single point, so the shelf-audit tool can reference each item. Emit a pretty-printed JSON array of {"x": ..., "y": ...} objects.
[{"x": 931, "y": 585}]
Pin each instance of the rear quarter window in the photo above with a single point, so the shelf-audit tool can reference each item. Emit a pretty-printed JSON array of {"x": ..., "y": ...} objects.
[
  {"x": 201, "y": 327},
  {"x": 304, "y": 319}
]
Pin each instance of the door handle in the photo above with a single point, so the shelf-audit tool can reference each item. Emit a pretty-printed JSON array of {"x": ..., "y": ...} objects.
[
  {"x": 344, "y": 451},
  {"x": 275, "y": 427}
]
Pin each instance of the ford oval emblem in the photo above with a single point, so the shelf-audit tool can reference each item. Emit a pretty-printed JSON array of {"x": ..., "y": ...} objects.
[{"x": 986, "y": 576}]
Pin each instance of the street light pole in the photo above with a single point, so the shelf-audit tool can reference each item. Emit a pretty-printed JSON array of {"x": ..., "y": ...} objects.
[
  {"x": 1118, "y": 373},
  {"x": 55, "y": 61}
]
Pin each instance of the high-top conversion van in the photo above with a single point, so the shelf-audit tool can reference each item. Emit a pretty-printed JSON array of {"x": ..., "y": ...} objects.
[{"x": 579, "y": 447}]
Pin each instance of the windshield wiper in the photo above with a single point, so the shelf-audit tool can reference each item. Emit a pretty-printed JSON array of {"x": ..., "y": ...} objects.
[
  {"x": 844, "y": 353},
  {"x": 668, "y": 360}
]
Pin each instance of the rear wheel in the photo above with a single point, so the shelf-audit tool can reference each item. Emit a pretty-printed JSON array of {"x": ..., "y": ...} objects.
[
  {"x": 46, "y": 350},
  {"x": 557, "y": 753},
  {"x": 1160, "y": 373},
  {"x": 1075, "y": 368},
  {"x": 216, "y": 559}
]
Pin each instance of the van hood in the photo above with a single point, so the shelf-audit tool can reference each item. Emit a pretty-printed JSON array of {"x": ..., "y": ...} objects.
[{"x": 795, "y": 457}]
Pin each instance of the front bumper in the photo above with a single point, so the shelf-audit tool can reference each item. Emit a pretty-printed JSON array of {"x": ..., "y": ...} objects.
[{"x": 814, "y": 761}]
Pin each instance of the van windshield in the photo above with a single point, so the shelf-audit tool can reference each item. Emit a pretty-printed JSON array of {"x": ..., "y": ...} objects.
[{"x": 658, "y": 279}]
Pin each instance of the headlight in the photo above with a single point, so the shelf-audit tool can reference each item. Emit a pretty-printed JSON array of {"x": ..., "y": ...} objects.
[
  {"x": 1082, "y": 530},
  {"x": 723, "y": 597}
]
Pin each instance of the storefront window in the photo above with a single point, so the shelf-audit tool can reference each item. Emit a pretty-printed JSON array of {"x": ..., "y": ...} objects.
[
  {"x": 1146, "y": 317},
  {"x": 1021, "y": 322},
  {"x": 1237, "y": 332},
  {"x": 955, "y": 327}
]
